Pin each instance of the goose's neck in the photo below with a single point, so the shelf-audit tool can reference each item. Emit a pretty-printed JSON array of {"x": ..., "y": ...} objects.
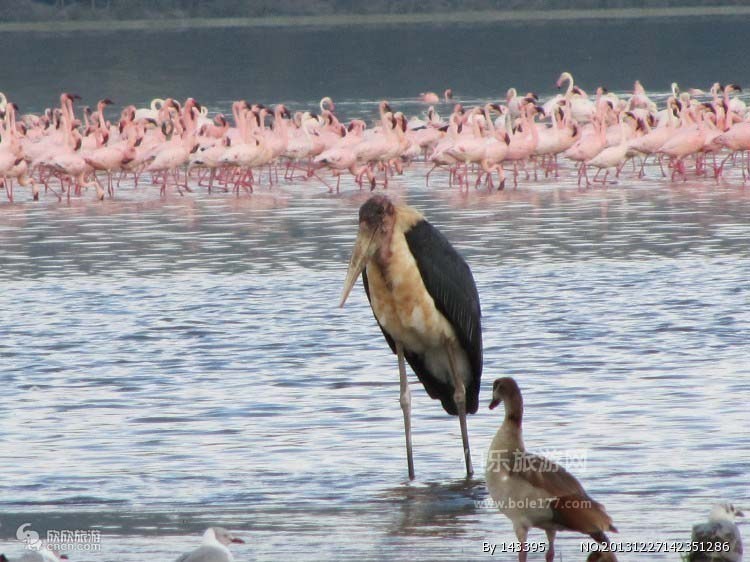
[
  {"x": 513, "y": 412},
  {"x": 510, "y": 435}
]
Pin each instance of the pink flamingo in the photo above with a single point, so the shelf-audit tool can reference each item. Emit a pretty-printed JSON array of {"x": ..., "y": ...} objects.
[
  {"x": 378, "y": 144},
  {"x": 469, "y": 146},
  {"x": 251, "y": 152},
  {"x": 343, "y": 156},
  {"x": 425, "y": 134},
  {"x": 66, "y": 159},
  {"x": 736, "y": 139},
  {"x": 13, "y": 165},
  {"x": 495, "y": 147},
  {"x": 613, "y": 156},
  {"x": 687, "y": 140},
  {"x": 209, "y": 157},
  {"x": 174, "y": 154},
  {"x": 441, "y": 154},
  {"x": 524, "y": 140},
  {"x": 557, "y": 138},
  {"x": 277, "y": 139},
  {"x": 582, "y": 108},
  {"x": 515, "y": 103},
  {"x": 109, "y": 159},
  {"x": 301, "y": 145},
  {"x": 431, "y": 98},
  {"x": 326, "y": 104},
  {"x": 640, "y": 100},
  {"x": 652, "y": 139},
  {"x": 588, "y": 146}
]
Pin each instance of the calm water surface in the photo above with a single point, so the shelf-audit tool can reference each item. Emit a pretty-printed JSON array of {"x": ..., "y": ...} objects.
[{"x": 170, "y": 364}]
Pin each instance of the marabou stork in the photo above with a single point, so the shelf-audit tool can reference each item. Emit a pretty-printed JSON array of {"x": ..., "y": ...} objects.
[{"x": 425, "y": 301}]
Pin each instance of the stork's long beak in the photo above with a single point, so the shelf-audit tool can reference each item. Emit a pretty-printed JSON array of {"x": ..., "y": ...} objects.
[{"x": 360, "y": 255}]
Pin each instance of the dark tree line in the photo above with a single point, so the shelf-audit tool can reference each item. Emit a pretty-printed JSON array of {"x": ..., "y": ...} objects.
[{"x": 52, "y": 10}]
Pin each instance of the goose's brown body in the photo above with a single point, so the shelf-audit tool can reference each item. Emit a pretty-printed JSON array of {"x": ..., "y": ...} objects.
[{"x": 533, "y": 491}]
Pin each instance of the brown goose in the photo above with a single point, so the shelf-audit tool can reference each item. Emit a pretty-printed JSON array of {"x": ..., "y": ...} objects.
[
  {"x": 600, "y": 556},
  {"x": 533, "y": 491}
]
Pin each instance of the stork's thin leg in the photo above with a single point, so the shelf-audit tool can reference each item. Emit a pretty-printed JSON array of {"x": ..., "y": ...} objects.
[
  {"x": 521, "y": 534},
  {"x": 459, "y": 397},
  {"x": 405, "y": 400},
  {"x": 550, "y": 556}
]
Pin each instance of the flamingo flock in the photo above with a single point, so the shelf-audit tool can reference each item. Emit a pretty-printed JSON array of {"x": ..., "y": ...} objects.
[{"x": 179, "y": 146}]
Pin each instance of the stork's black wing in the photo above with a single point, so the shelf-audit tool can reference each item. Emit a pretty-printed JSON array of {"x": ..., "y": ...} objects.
[
  {"x": 435, "y": 388},
  {"x": 448, "y": 279}
]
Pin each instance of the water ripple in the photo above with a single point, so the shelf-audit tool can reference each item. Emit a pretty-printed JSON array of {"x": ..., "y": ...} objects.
[{"x": 181, "y": 362}]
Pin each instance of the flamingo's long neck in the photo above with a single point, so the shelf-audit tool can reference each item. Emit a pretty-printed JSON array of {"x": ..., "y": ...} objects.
[
  {"x": 453, "y": 122},
  {"x": 280, "y": 125},
  {"x": 238, "y": 122},
  {"x": 488, "y": 119},
  {"x": 569, "y": 91},
  {"x": 531, "y": 123},
  {"x": 10, "y": 117},
  {"x": 475, "y": 125},
  {"x": 100, "y": 108},
  {"x": 250, "y": 125},
  {"x": 67, "y": 122}
]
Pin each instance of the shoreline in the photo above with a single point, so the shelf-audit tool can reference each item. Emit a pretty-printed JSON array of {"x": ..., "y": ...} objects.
[{"x": 340, "y": 20}]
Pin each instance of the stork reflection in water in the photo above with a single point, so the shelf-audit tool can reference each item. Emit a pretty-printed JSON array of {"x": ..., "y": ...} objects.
[{"x": 425, "y": 301}]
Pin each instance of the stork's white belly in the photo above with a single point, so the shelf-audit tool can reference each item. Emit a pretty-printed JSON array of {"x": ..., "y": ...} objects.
[{"x": 407, "y": 312}]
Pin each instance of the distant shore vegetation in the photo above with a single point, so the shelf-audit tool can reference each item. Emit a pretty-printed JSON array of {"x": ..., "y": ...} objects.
[{"x": 79, "y": 10}]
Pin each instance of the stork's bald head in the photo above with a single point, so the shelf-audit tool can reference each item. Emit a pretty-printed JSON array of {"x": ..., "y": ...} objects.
[
  {"x": 376, "y": 220},
  {"x": 375, "y": 212}
]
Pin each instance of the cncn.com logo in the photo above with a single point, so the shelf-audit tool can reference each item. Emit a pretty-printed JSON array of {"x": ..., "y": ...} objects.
[
  {"x": 29, "y": 536},
  {"x": 59, "y": 541}
]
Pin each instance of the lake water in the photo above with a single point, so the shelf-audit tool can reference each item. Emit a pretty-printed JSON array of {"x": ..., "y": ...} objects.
[{"x": 170, "y": 364}]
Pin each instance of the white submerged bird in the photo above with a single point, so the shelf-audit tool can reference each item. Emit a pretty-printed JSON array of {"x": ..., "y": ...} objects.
[
  {"x": 214, "y": 548},
  {"x": 719, "y": 537},
  {"x": 41, "y": 555},
  {"x": 533, "y": 491}
]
